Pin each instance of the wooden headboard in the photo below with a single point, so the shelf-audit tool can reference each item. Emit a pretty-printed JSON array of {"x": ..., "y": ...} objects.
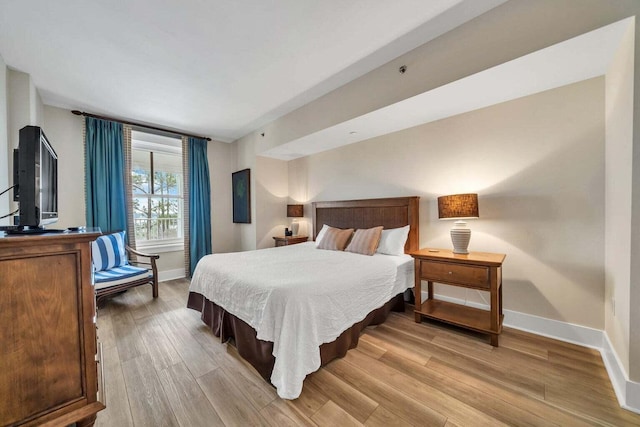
[{"x": 390, "y": 213}]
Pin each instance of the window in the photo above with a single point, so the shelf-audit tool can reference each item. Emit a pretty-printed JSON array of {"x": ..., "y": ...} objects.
[{"x": 157, "y": 181}]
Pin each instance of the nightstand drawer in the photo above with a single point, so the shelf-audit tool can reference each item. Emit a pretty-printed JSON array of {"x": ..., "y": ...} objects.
[
  {"x": 289, "y": 240},
  {"x": 456, "y": 273}
]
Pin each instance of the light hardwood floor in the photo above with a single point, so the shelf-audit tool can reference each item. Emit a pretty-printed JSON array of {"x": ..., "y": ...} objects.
[{"x": 164, "y": 368}]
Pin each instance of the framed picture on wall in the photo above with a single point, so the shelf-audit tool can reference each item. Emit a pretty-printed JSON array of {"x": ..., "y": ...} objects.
[{"x": 241, "y": 193}]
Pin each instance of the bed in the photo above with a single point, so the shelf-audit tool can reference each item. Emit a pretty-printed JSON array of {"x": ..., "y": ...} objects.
[{"x": 292, "y": 309}]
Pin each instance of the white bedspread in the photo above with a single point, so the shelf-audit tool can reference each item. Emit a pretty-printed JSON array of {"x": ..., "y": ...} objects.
[{"x": 299, "y": 297}]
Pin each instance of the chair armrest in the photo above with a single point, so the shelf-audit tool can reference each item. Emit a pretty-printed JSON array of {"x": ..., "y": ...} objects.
[
  {"x": 142, "y": 254},
  {"x": 151, "y": 263}
]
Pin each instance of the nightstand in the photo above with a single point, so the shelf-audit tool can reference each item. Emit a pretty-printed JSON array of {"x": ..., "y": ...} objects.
[
  {"x": 475, "y": 270},
  {"x": 289, "y": 240}
]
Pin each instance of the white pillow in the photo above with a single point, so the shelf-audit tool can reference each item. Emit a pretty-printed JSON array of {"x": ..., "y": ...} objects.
[
  {"x": 392, "y": 241},
  {"x": 321, "y": 233}
]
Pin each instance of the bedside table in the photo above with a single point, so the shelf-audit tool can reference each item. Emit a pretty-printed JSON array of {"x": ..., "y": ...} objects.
[
  {"x": 475, "y": 270},
  {"x": 289, "y": 240}
]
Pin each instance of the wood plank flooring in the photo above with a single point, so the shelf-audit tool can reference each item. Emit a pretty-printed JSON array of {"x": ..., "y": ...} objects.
[{"x": 164, "y": 368}]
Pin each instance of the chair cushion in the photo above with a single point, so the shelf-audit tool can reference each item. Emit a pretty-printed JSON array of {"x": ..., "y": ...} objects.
[
  {"x": 119, "y": 275},
  {"x": 109, "y": 251}
]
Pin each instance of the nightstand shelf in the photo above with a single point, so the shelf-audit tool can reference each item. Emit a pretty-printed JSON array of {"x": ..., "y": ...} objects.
[
  {"x": 459, "y": 315},
  {"x": 476, "y": 270}
]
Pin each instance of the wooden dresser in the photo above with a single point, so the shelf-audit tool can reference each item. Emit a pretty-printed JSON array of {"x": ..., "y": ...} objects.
[{"x": 49, "y": 362}]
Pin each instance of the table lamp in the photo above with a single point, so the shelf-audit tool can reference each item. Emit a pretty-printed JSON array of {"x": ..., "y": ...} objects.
[
  {"x": 295, "y": 211},
  {"x": 459, "y": 207}
]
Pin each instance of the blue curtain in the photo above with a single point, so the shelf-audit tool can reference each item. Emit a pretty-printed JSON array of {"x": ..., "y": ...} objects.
[
  {"x": 104, "y": 169},
  {"x": 199, "y": 202}
]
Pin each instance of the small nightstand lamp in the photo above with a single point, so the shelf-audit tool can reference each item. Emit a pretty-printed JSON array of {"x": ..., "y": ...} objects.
[
  {"x": 459, "y": 207},
  {"x": 295, "y": 211}
]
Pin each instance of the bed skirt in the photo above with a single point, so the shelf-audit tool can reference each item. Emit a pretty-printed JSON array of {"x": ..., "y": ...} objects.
[{"x": 259, "y": 353}]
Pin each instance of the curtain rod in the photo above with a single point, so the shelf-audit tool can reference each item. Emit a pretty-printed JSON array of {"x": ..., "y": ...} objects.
[{"x": 126, "y": 122}]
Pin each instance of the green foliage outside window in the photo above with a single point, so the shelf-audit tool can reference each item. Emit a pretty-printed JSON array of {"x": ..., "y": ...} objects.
[{"x": 157, "y": 202}]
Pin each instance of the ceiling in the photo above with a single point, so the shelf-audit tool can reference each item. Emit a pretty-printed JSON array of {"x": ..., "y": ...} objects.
[
  {"x": 580, "y": 58},
  {"x": 215, "y": 68}
]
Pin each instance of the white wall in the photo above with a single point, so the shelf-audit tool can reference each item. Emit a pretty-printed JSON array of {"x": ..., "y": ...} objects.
[
  {"x": 6, "y": 179},
  {"x": 64, "y": 131},
  {"x": 245, "y": 151},
  {"x": 18, "y": 104},
  {"x": 36, "y": 107},
  {"x": 171, "y": 265},
  {"x": 24, "y": 107},
  {"x": 221, "y": 164}
]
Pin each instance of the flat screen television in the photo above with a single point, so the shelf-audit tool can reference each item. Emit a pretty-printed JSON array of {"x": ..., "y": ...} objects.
[{"x": 35, "y": 166}]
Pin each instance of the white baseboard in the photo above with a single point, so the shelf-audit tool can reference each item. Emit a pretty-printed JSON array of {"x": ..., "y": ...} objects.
[
  {"x": 563, "y": 331},
  {"x": 177, "y": 273},
  {"x": 633, "y": 397},
  {"x": 627, "y": 391}
]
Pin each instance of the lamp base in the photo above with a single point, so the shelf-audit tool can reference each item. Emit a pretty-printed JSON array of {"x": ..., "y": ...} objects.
[
  {"x": 295, "y": 227},
  {"x": 460, "y": 236}
]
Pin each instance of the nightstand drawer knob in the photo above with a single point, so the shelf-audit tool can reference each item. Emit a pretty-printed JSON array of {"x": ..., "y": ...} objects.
[{"x": 451, "y": 272}]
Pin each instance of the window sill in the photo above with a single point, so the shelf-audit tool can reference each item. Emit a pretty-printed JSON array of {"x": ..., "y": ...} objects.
[{"x": 160, "y": 248}]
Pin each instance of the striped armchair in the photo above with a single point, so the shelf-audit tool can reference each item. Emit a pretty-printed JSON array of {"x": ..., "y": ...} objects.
[{"x": 117, "y": 267}]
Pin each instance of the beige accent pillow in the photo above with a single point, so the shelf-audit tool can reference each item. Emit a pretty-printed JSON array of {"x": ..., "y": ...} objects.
[
  {"x": 365, "y": 241},
  {"x": 335, "y": 239}
]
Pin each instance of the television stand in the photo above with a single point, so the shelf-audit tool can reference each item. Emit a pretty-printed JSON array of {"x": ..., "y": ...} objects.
[{"x": 32, "y": 230}]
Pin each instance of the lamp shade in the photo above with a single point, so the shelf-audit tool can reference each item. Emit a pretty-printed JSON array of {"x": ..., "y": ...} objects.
[
  {"x": 295, "y": 211},
  {"x": 458, "y": 206}
]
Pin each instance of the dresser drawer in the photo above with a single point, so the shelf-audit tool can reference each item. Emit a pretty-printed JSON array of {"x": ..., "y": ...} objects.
[{"x": 456, "y": 273}]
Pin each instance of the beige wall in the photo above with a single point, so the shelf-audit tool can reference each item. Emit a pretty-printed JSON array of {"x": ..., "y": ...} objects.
[
  {"x": 269, "y": 195},
  {"x": 537, "y": 164},
  {"x": 619, "y": 150},
  {"x": 633, "y": 112},
  {"x": 271, "y": 177},
  {"x": 473, "y": 47}
]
